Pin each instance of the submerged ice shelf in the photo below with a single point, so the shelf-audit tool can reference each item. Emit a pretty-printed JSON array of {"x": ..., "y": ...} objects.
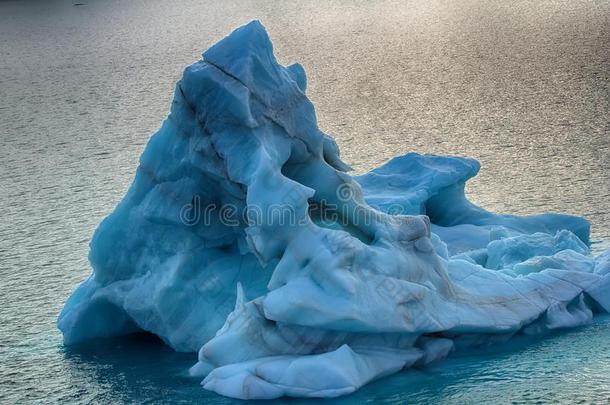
[{"x": 244, "y": 238}]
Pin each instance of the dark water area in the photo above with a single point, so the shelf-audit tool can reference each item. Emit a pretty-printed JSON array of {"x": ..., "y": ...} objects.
[
  {"x": 521, "y": 86},
  {"x": 566, "y": 367}
]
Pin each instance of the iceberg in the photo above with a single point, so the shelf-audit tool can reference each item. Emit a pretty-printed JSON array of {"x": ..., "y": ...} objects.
[{"x": 243, "y": 238}]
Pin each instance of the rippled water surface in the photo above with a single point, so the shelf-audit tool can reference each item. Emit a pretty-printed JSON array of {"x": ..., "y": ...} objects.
[{"x": 522, "y": 86}]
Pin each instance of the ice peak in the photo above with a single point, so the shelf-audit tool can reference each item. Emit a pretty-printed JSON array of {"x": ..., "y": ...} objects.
[{"x": 246, "y": 54}]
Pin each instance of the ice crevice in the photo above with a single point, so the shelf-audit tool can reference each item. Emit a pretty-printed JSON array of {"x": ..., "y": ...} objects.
[{"x": 244, "y": 239}]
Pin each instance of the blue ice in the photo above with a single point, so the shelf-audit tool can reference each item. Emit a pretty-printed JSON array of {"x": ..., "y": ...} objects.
[{"x": 243, "y": 237}]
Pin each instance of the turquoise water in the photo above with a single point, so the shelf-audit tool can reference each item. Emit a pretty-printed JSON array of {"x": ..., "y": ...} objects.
[
  {"x": 564, "y": 368},
  {"x": 523, "y": 88}
]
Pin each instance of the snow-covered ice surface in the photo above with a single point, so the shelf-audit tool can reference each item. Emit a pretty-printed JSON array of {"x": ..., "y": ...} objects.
[{"x": 244, "y": 238}]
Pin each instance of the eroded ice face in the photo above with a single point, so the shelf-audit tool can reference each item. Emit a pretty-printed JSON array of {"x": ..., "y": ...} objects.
[{"x": 243, "y": 237}]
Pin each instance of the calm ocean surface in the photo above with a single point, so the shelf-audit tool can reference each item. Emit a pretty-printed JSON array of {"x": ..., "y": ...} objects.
[{"x": 523, "y": 86}]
